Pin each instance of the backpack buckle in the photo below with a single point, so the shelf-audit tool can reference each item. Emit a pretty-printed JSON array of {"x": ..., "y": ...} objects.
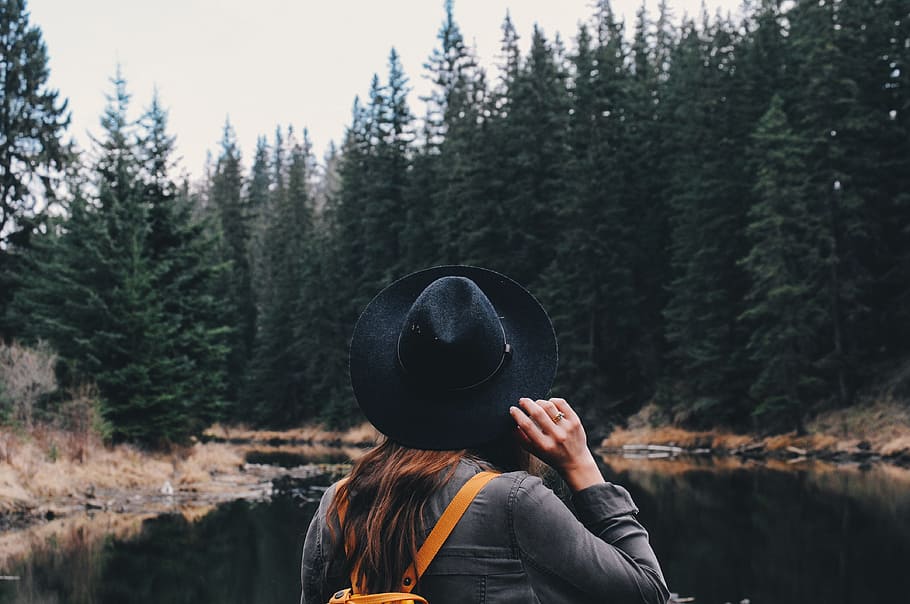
[{"x": 341, "y": 596}]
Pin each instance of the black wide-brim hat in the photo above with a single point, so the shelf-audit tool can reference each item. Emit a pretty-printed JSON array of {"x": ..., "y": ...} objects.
[{"x": 439, "y": 356}]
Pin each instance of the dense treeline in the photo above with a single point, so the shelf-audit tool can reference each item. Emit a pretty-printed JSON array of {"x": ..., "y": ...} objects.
[
  {"x": 125, "y": 286},
  {"x": 716, "y": 214}
]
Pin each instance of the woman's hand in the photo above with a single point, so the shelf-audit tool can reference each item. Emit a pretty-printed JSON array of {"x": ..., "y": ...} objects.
[{"x": 552, "y": 431}]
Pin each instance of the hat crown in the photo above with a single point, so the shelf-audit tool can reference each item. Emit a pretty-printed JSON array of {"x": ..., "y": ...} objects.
[{"x": 452, "y": 338}]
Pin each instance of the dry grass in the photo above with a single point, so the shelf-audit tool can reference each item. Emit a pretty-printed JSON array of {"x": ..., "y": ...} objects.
[
  {"x": 361, "y": 434},
  {"x": 33, "y": 475},
  {"x": 676, "y": 437},
  {"x": 896, "y": 446},
  {"x": 673, "y": 466},
  {"x": 13, "y": 495},
  {"x": 37, "y": 471},
  {"x": 40, "y": 466},
  {"x": 204, "y": 461},
  {"x": 809, "y": 442},
  {"x": 119, "y": 467},
  {"x": 883, "y": 425}
]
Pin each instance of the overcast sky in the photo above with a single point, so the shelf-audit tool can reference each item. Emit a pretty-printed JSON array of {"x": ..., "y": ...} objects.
[{"x": 270, "y": 62}]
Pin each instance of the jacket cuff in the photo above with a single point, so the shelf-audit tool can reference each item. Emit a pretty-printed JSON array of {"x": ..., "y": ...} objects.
[{"x": 601, "y": 501}]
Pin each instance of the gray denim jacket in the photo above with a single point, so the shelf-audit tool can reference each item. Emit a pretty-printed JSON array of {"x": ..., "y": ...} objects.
[{"x": 518, "y": 542}]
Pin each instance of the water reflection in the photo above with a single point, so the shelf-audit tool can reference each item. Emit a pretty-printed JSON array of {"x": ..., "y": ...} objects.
[
  {"x": 239, "y": 553},
  {"x": 724, "y": 530},
  {"x": 290, "y": 457},
  {"x": 774, "y": 534}
]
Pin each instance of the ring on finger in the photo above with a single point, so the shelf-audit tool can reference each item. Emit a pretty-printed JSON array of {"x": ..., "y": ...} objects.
[{"x": 558, "y": 417}]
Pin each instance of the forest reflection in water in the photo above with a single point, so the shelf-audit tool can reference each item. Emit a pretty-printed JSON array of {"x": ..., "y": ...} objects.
[
  {"x": 727, "y": 530},
  {"x": 724, "y": 530},
  {"x": 240, "y": 552}
]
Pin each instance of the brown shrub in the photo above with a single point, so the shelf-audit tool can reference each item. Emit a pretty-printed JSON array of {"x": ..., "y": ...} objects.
[
  {"x": 363, "y": 433},
  {"x": 26, "y": 375}
]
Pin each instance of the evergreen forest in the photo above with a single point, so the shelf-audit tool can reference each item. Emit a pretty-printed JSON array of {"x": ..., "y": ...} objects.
[{"x": 715, "y": 211}]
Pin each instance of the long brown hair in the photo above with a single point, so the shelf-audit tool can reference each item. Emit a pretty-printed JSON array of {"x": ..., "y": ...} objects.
[{"x": 383, "y": 524}]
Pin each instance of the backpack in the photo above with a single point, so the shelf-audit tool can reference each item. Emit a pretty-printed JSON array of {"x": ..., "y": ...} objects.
[{"x": 425, "y": 554}]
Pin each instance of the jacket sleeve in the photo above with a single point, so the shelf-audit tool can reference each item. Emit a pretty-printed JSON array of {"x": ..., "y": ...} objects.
[
  {"x": 312, "y": 575},
  {"x": 314, "y": 580},
  {"x": 604, "y": 552}
]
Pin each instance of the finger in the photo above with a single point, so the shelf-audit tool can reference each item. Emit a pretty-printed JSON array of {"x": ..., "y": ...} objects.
[
  {"x": 537, "y": 413},
  {"x": 536, "y": 443},
  {"x": 564, "y": 408},
  {"x": 530, "y": 429},
  {"x": 552, "y": 412},
  {"x": 523, "y": 440}
]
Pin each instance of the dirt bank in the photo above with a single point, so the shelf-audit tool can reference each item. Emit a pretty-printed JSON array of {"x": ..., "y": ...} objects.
[
  {"x": 42, "y": 478},
  {"x": 864, "y": 434}
]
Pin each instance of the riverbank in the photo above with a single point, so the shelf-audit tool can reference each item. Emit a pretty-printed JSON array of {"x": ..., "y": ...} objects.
[
  {"x": 865, "y": 434},
  {"x": 43, "y": 477},
  {"x": 69, "y": 531},
  {"x": 45, "y": 474}
]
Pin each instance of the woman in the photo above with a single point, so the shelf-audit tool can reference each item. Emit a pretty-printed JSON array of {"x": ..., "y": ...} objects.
[{"x": 452, "y": 365}]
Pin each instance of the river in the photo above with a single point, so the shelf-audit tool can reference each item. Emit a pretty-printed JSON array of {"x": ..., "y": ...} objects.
[{"x": 724, "y": 530}]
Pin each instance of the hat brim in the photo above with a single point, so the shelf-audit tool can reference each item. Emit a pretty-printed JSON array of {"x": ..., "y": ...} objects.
[{"x": 416, "y": 417}]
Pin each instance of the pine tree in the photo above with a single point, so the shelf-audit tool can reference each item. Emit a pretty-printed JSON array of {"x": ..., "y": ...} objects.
[
  {"x": 258, "y": 203},
  {"x": 63, "y": 275},
  {"x": 452, "y": 68},
  {"x": 331, "y": 296},
  {"x": 327, "y": 187},
  {"x": 787, "y": 306},
  {"x": 397, "y": 135},
  {"x": 387, "y": 163},
  {"x": 833, "y": 119},
  {"x": 113, "y": 327},
  {"x": 420, "y": 237},
  {"x": 511, "y": 58},
  {"x": 590, "y": 282},
  {"x": 892, "y": 112},
  {"x": 368, "y": 235},
  {"x": 638, "y": 187},
  {"x": 123, "y": 292},
  {"x": 762, "y": 57},
  {"x": 185, "y": 273},
  {"x": 570, "y": 286},
  {"x": 665, "y": 42},
  {"x": 276, "y": 389},
  {"x": 708, "y": 201},
  {"x": 453, "y": 143},
  {"x": 33, "y": 121},
  {"x": 648, "y": 211},
  {"x": 872, "y": 67},
  {"x": 474, "y": 167},
  {"x": 322, "y": 327},
  {"x": 33, "y": 154},
  {"x": 233, "y": 219},
  {"x": 536, "y": 128},
  {"x": 354, "y": 173}
]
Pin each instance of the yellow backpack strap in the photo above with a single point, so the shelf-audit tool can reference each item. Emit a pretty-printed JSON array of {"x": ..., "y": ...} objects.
[
  {"x": 346, "y": 596},
  {"x": 431, "y": 546},
  {"x": 443, "y": 528}
]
